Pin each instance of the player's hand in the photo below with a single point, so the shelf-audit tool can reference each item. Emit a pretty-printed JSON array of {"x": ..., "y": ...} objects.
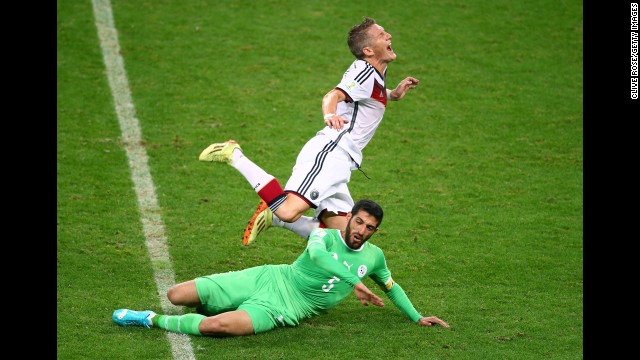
[
  {"x": 366, "y": 296},
  {"x": 431, "y": 320},
  {"x": 404, "y": 86},
  {"x": 335, "y": 122}
]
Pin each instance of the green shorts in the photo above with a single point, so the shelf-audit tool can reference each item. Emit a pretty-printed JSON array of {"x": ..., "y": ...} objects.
[{"x": 255, "y": 290}]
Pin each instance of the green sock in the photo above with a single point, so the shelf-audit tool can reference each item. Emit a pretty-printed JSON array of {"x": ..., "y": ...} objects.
[{"x": 182, "y": 324}]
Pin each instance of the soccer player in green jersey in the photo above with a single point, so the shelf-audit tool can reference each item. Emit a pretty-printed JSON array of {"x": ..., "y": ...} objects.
[{"x": 262, "y": 298}]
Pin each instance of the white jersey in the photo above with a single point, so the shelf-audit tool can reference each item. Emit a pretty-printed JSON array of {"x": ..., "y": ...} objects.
[{"x": 364, "y": 108}]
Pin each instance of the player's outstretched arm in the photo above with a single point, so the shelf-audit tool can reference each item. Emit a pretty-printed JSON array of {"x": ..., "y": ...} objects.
[
  {"x": 431, "y": 320},
  {"x": 401, "y": 90}
]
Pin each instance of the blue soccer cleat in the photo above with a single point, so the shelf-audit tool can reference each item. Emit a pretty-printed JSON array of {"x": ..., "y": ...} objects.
[{"x": 126, "y": 317}]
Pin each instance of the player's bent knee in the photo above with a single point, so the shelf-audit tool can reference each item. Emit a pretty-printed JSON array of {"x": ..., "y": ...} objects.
[
  {"x": 233, "y": 323},
  {"x": 212, "y": 326},
  {"x": 173, "y": 294},
  {"x": 292, "y": 209},
  {"x": 288, "y": 215},
  {"x": 184, "y": 294}
]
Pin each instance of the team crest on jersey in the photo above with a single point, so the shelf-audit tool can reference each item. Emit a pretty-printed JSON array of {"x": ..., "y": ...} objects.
[
  {"x": 314, "y": 194},
  {"x": 362, "y": 270}
]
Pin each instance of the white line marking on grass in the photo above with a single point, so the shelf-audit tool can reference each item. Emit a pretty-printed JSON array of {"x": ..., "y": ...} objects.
[{"x": 153, "y": 226}]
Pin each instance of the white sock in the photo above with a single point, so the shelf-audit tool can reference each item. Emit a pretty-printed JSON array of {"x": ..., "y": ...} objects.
[
  {"x": 237, "y": 154},
  {"x": 302, "y": 226},
  {"x": 252, "y": 172}
]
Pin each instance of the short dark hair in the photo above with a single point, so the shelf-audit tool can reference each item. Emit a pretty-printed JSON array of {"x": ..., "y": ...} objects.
[
  {"x": 369, "y": 206},
  {"x": 358, "y": 37}
]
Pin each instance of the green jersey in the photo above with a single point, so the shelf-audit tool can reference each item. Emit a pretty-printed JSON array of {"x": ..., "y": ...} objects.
[{"x": 327, "y": 271}]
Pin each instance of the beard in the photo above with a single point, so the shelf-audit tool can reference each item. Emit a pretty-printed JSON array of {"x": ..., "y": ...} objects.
[{"x": 354, "y": 242}]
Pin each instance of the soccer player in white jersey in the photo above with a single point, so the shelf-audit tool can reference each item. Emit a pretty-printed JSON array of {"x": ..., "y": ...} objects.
[
  {"x": 265, "y": 297},
  {"x": 352, "y": 112}
]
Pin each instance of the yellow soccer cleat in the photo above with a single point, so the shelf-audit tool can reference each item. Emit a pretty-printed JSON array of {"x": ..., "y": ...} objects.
[
  {"x": 260, "y": 221},
  {"x": 220, "y": 152}
]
